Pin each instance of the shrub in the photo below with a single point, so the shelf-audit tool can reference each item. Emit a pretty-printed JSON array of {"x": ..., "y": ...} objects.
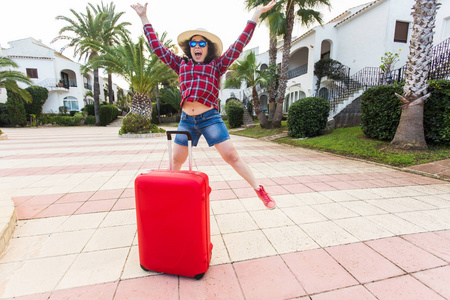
[
  {"x": 235, "y": 113},
  {"x": 135, "y": 123},
  {"x": 60, "y": 120},
  {"x": 436, "y": 114},
  {"x": 16, "y": 110},
  {"x": 4, "y": 118},
  {"x": 39, "y": 95},
  {"x": 107, "y": 114},
  {"x": 308, "y": 117},
  {"x": 63, "y": 110},
  {"x": 89, "y": 109},
  {"x": 89, "y": 120},
  {"x": 380, "y": 111}
]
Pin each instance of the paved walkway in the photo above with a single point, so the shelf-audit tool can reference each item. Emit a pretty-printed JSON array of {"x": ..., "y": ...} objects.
[{"x": 343, "y": 229}]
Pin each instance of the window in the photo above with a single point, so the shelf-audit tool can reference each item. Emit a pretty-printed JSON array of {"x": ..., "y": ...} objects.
[
  {"x": 401, "y": 32},
  {"x": 71, "y": 103},
  {"x": 32, "y": 73}
]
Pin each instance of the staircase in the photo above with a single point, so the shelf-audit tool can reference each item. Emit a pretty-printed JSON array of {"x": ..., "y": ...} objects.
[{"x": 343, "y": 92}]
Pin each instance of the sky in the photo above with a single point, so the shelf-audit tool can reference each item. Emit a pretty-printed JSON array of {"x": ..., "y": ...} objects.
[{"x": 37, "y": 19}]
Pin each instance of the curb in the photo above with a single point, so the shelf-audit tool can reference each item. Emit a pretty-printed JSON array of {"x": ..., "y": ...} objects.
[
  {"x": 143, "y": 135},
  {"x": 8, "y": 221}
]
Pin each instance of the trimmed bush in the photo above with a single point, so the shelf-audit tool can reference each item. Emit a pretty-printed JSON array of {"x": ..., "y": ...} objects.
[
  {"x": 135, "y": 123},
  {"x": 235, "y": 113},
  {"x": 380, "y": 111},
  {"x": 89, "y": 109},
  {"x": 16, "y": 110},
  {"x": 60, "y": 120},
  {"x": 89, "y": 120},
  {"x": 436, "y": 116},
  {"x": 308, "y": 117},
  {"x": 4, "y": 118},
  {"x": 107, "y": 114},
  {"x": 39, "y": 95}
]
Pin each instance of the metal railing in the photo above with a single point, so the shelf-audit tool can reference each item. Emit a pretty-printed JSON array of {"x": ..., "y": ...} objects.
[
  {"x": 374, "y": 76},
  {"x": 303, "y": 69}
]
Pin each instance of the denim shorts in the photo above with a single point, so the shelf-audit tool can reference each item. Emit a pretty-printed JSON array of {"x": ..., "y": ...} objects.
[{"x": 209, "y": 124}]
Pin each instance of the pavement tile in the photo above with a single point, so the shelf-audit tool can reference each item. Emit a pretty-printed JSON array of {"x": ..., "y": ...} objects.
[
  {"x": 288, "y": 239},
  {"x": 94, "y": 267},
  {"x": 144, "y": 288},
  {"x": 317, "y": 271},
  {"x": 75, "y": 197},
  {"x": 96, "y": 206},
  {"x": 98, "y": 292},
  {"x": 267, "y": 278},
  {"x": 406, "y": 255},
  {"x": 437, "y": 279},
  {"x": 235, "y": 222},
  {"x": 357, "y": 292},
  {"x": 56, "y": 210},
  {"x": 403, "y": 287},
  {"x": 328, "y": 234},
  {"x": 363, "y": 263},
  {"x": 432, "y": 243},
  {"x": 219, "y": 282},
  {"x": 248, "y": 245}
]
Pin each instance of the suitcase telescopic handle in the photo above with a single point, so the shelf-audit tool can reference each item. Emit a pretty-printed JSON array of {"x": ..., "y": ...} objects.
[{"x": 169, "y": 139}]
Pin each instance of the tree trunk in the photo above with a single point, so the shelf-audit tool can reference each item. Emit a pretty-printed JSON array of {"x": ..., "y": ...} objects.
[
  {"x": 96, "y": 98},
  {"x": 258, "y": 111},
  {"x": 276, "y": 121},
  {"x": 141, "y": 105},
  {"x": 110, "y": 89},
  {"x": 273, "y": 87},
  {"x": 410, "y": 134}
]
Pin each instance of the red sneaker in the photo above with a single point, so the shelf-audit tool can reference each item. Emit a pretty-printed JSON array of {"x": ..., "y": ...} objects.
[{"x": 266, "y": 199}]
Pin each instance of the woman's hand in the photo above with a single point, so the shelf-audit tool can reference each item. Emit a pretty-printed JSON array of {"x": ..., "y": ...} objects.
[
  {"x": 262, "y": 9},
  {"x": 268, "y": 7},
  {"x": 141, "y": 10}
]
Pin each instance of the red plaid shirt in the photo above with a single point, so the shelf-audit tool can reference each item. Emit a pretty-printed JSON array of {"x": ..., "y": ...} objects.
[{"x": 200, "y": 82}]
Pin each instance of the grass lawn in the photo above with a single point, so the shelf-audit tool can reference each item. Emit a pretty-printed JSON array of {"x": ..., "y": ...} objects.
[{"x": 353, "y": 143}]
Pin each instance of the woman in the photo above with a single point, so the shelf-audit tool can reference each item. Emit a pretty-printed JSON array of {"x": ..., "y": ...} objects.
[{"x": 199, "y": 85}]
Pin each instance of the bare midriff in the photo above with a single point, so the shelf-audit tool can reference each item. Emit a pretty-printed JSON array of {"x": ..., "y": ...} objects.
[{"x": 195, "y": 108}]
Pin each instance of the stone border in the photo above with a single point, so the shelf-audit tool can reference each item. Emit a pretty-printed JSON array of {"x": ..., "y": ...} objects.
[
  {"x": 8, "y": 221},
  {"x": 142, "y": 135}
]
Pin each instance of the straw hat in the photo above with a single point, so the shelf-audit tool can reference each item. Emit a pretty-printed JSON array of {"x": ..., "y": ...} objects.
[{"x": 187, "y": 35}]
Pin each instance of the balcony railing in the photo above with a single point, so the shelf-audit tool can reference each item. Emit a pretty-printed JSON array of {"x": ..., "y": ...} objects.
[
  {"x": 298, "y": 71},
  {"x": 88, "y": 86}
]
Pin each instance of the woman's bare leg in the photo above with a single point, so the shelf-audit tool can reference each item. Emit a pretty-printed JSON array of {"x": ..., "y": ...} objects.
[
  {"x": 180, "y": 154},
  {"x": 230, "y": 155}
]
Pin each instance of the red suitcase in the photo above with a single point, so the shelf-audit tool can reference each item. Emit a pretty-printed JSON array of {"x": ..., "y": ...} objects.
[{"x": 172, "y": 209}]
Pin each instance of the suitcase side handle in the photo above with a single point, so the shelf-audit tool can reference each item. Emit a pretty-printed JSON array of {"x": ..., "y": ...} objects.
[{"x": 169, "y": 138}]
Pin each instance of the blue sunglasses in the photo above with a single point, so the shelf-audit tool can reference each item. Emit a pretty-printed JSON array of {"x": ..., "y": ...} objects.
[{"x": 200, "y": 43}]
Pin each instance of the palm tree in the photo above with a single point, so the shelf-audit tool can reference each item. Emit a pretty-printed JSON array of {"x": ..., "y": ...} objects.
[
  {"x": 143, "y": 74},
  {"x": 248, "y": 70},
  {"x": 410, "y": 132},
  {"x": 87, "y": 30},
  {"x": 112, "y": 29},
  {"x": 277, "y": 24},
  {"x": 303, "y": 9},
  {"x": 9, "y": 78}
]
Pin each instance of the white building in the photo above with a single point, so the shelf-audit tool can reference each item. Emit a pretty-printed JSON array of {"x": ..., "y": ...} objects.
[
  {"x": 52, "y": 70},
  {"x": 357, "y": 38}
]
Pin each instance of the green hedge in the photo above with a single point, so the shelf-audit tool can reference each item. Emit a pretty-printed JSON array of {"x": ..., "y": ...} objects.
[
  {"x": 436, "y": 114},
  {"x": 235, "y": 113},
  {"x": 60, "y": 120},
  {"x": 381, "y": 111},
  {"x": 308, "y": 117},
  {"x": 89, "y": 120},
  {"x": 107, "y": 114}
]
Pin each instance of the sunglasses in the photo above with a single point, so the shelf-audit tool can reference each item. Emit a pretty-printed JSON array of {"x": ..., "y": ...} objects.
[{"x": 200, "y": 43}]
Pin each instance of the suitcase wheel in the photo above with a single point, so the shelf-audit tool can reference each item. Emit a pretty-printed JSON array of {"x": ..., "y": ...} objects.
[
  {"x": 144, "y": 268},
  {"x": 199, "y": 276}
]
